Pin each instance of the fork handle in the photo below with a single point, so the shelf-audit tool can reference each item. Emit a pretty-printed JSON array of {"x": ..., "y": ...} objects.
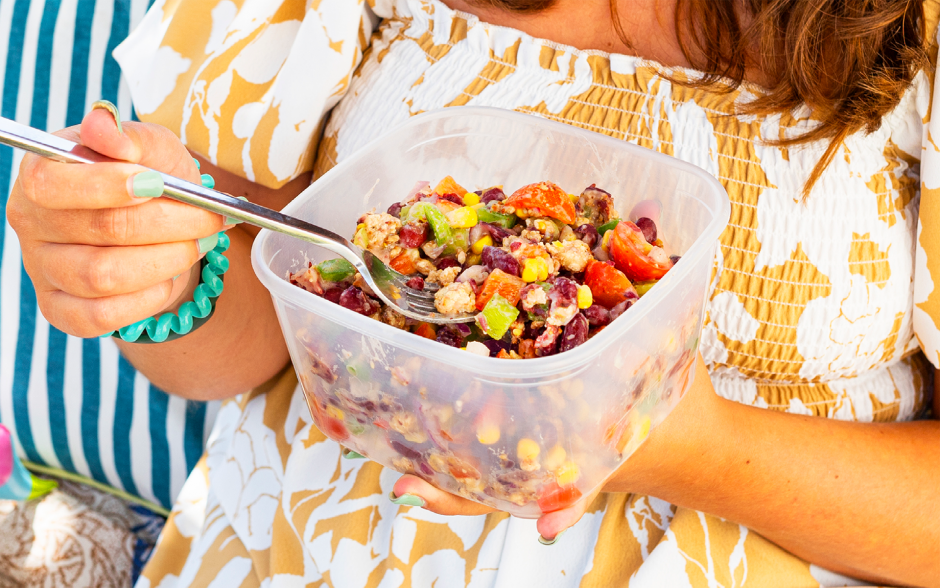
[{"x": 48, "y": 145}]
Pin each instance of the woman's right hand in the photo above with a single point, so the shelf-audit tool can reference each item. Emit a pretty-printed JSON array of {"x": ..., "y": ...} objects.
[{"x": 101, "y": 248}]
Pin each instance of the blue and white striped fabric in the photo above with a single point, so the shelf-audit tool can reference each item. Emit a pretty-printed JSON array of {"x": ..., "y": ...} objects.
[{"x": 72, "y": 403}]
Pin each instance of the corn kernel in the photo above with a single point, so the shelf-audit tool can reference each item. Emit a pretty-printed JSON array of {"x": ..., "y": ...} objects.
[
  {"x": 473, "y": 259},
  {"x": 469, "y": 199},
  {"x": 487, "y": 433},
  {"x": 542, "y": 266},
  {"x": 555, "y": 457},
  {"x": 573, "y": 197},
  {"x": 335, "y": 412},
  {"x": 530, "y": 271},
  {"x": 527, "y": 450},
  {"x": 361, "y": 238},
  {"x": 644, "y": 429},
  {"x": 485, "y": 241},
  {"x": 605, "y": 241},
  {"x": 567, "y": 474},
  {"x": 462, "y": 218},
  {"x": 585, "y": 297}
]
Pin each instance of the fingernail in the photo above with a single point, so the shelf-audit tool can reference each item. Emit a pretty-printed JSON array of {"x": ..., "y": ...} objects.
[
  {"x": 110, "y": 107},
  {"x": 207, "y": 244},
  {"x": 148, "y": 184},
  {"x": 207, "y": 181},
  {"x": 176, "y": 277},
  {"x": 551, "y": 541},
  {"x": 234, "y": 221},
  {"x": 407, "y": 500},
  {"x": 350, "y": 454}
]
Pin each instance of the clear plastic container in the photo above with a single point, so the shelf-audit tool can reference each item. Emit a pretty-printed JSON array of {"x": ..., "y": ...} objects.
[{"x": 554, "y": 427}]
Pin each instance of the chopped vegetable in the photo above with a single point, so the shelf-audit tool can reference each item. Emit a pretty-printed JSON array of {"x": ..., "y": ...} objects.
[
  {"x": 636, "y": 258},
  {"x": 497, "y": 316},
  {"x": 608, "y": 226},
  {"x": 506, "y": 221},
  {"x": 542, "y": 199},
  {"x": 553, "y": 497},
  {"x": 335, "y": 270},
  {"x": 462, "y": 218},
  {"x": 609, "y": 286},
  {"x": 499, "y": 282}
]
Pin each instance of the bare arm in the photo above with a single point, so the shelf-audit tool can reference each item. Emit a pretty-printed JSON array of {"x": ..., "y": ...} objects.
[
  {"x": 241, "y": 346},
  {"x": 856, "y": 498}
]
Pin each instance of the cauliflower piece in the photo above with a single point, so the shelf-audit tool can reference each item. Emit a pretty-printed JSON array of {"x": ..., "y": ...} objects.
[
  {"x": 381, "y": 230},
  {"x": 455, "y": 298},
  {"x": 533, "y": 295},
  {"x": 444, "y": 277},
  {"x": 571, "y": 255}
]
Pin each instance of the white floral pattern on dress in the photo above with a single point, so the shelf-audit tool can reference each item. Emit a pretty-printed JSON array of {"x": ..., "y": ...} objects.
[{"x": 815, "y": 308}]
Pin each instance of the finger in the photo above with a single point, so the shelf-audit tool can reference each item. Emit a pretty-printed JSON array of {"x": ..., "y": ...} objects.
[
  {"x": 92, "y": 317},
  {"x": 435, "y": 500},
  {"x": 98, "y": 272},
  {"x": 553, "y": 524},
  {"x": 158, "y": 221},
  {"x": 56, "y": 185},
  {"x": 149, "y": 145}
]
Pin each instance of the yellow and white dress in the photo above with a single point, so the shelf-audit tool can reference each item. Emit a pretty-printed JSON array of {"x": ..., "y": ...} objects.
[{"x": 826, "y": 307}]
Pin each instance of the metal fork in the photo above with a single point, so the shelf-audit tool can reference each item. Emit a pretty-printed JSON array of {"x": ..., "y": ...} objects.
[{"x": 385, "y": 282}]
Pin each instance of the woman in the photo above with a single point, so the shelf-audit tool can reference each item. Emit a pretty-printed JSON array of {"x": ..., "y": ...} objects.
[{"x": 811, "y": 312}]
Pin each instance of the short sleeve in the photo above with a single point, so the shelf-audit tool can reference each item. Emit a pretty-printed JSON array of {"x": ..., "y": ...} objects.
[
  {"x": 246, "y": 83},
  {"x": 927, "y": 255}
]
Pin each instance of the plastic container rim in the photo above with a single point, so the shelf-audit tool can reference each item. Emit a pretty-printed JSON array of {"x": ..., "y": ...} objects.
[{"x": 491, "y": 366}]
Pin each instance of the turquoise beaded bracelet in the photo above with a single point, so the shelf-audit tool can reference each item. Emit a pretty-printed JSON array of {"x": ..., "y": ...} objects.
[{"x": 192, "y": 314}]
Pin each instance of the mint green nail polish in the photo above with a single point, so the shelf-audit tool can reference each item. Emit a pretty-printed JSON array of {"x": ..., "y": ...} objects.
[
  {"x": 407, "y": 500},
  {"x": 207, "y": 181},
  {"x": 111, "y": 108},
  {"x": 350, "y": 454},
  {"x": 551, "y": 541},
  {"x": 148, "y": 184},
  {"x": 207, "y": 244},
  {"x": 234, "y": 221}
]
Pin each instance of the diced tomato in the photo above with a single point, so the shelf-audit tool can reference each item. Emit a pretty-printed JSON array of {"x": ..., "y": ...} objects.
[
  {"x": 449, "y": 186},
  {"x": 608, "y": 284},
  {"x": 553, "y": 497},
  {"x": 446, "y": 206},
  {"x": 406, "y": 262},
  {"x": 426, "y": 330},
  {"x": 328, "y": 425},
  {"x": 636, "y": 258},
  {"x": 543, "y": 199},
  {"x": 506, "y": 285}
]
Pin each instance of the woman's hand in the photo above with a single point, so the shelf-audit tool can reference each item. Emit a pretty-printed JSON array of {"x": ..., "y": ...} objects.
[
  {"x": 550, "y": 525},
  {"x": 102, "y": 251}
]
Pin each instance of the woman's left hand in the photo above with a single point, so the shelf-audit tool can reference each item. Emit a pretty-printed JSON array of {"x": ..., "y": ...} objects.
[{"x": 550, "y": 525}]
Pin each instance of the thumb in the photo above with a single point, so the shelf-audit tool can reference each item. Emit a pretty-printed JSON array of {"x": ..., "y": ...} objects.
[{"x": 149, "y": 145}]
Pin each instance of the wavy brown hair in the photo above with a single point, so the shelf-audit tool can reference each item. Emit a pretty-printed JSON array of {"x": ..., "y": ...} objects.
[{"x": 849, "y": 61}]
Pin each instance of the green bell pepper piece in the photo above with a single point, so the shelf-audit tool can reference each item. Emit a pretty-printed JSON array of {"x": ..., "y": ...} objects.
[
  {"x": 499, "y": 314},
  {"x": 336, "y": 270},
  {"x": 607, "y": 226},
  {"x": 507, "y": 221}
]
